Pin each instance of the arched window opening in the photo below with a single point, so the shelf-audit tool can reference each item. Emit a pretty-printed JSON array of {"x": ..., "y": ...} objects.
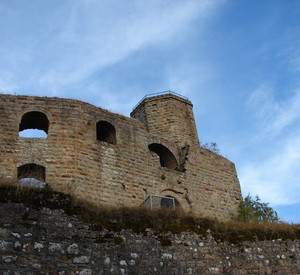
[
  {"x": 34, "y": 125},
  {"x": 167, "y": 159},
  {"x": 32, "y": 175},
  {"x": 106, "y": 132}
]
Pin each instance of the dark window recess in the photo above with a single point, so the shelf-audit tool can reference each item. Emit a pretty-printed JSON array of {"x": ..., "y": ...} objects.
[
  {"x": 167, "y": 159},
  {"x": 167, "y": 203},
  {"x": 32, "y": 171},
  {"x": 106, "y": 132},
  {"x": 34, "y": 124}
]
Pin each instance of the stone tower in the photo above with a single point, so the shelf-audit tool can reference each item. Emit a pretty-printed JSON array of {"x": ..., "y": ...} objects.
[{"x": 168, "y": 115}]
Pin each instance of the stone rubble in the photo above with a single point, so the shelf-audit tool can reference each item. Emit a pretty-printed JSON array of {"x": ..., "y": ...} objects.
[{"x": 50, "y": 246}]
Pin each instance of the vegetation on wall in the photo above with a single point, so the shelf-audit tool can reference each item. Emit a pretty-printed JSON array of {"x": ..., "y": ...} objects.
[
  {"x": 253, "y": 210},
  {"x": 212, "y": 146}
]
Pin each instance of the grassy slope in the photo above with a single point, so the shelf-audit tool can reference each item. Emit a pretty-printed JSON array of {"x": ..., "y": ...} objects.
[{"x": 139, "y": 219}]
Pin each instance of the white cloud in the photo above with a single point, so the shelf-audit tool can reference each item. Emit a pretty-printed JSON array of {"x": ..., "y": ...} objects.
[
  {"x": 274, "y": 116},
  {"x": 184, "y": 78},
  {"x": 262, "y": 103},
  {"x": 296, "y": 64},
  {"x": 91, "y": 35},
  {"x": 6, "y": 81},
  {"x": 276, "y": 178},
  {"x": 108, "y": 39},
  {"x": 288, "y": 114},
  {"x": 111, "y": 99},
  {"x": 274, "y": 174}
]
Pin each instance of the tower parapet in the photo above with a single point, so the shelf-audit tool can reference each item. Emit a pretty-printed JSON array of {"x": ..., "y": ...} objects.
[{"x": 168, "y": 115}]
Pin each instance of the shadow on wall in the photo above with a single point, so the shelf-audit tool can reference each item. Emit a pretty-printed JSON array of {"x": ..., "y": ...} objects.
[
  {"x": 166, "y": 158},
  {"x": 106, "y": 132}
]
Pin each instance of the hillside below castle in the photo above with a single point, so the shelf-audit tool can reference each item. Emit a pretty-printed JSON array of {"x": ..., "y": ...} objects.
[
  {"x": 109, "y": 159},
  {"x": 40, "y": 233}
]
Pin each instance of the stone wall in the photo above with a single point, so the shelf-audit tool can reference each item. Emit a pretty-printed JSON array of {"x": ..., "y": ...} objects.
[
  {"x": 116, "y": 167},
  {"x": 50, "y": 242}
]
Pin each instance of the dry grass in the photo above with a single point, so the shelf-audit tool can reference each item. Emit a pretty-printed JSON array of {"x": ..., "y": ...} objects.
[{"x": 139, "y": 219}]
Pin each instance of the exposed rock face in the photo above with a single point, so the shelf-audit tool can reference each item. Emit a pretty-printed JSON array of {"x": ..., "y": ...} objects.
[
  {"x": 110, "y": 159},
  {"x": 50, "y": 242}
]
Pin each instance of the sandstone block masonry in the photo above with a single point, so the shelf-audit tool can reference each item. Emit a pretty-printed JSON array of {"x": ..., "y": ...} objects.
[{"x": 109, "y": 159}]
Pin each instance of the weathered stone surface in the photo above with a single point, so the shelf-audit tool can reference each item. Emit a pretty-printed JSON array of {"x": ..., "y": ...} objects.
[
  {"x": 137, "y": 254},
  {"x": 118, "y": 170}
]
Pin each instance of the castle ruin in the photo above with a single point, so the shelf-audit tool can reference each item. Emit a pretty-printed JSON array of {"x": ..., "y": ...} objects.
[{"x": 109, "y": 159}]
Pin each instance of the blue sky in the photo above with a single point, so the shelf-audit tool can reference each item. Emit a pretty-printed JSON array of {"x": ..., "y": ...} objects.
[{"x": 237, "y": 61}]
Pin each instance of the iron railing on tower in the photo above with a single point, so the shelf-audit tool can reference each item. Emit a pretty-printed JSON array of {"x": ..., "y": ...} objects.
[{"x": 157, "y": 94}]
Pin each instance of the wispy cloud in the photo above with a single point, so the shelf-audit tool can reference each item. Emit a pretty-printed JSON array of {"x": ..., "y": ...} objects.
[
  {"x": 273, "y": 116},
  {"x": 288, "y": 114},
  {"x": 91, "y": 35},
  {"x": 275, "y": 179},
  {"x": 111, "y": 99},
  {"x": 275, "y": 176},
  {"x": 262, "y": 103},
  {"x": 111, "y": 52},
  {"x": 6, "y": 81}
]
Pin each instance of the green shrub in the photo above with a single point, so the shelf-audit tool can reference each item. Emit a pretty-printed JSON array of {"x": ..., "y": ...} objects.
[{"x": 253, "y": 210}]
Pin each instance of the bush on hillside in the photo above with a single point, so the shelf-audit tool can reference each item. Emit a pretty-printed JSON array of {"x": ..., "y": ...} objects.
[{"x": 253, "y": 210}]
